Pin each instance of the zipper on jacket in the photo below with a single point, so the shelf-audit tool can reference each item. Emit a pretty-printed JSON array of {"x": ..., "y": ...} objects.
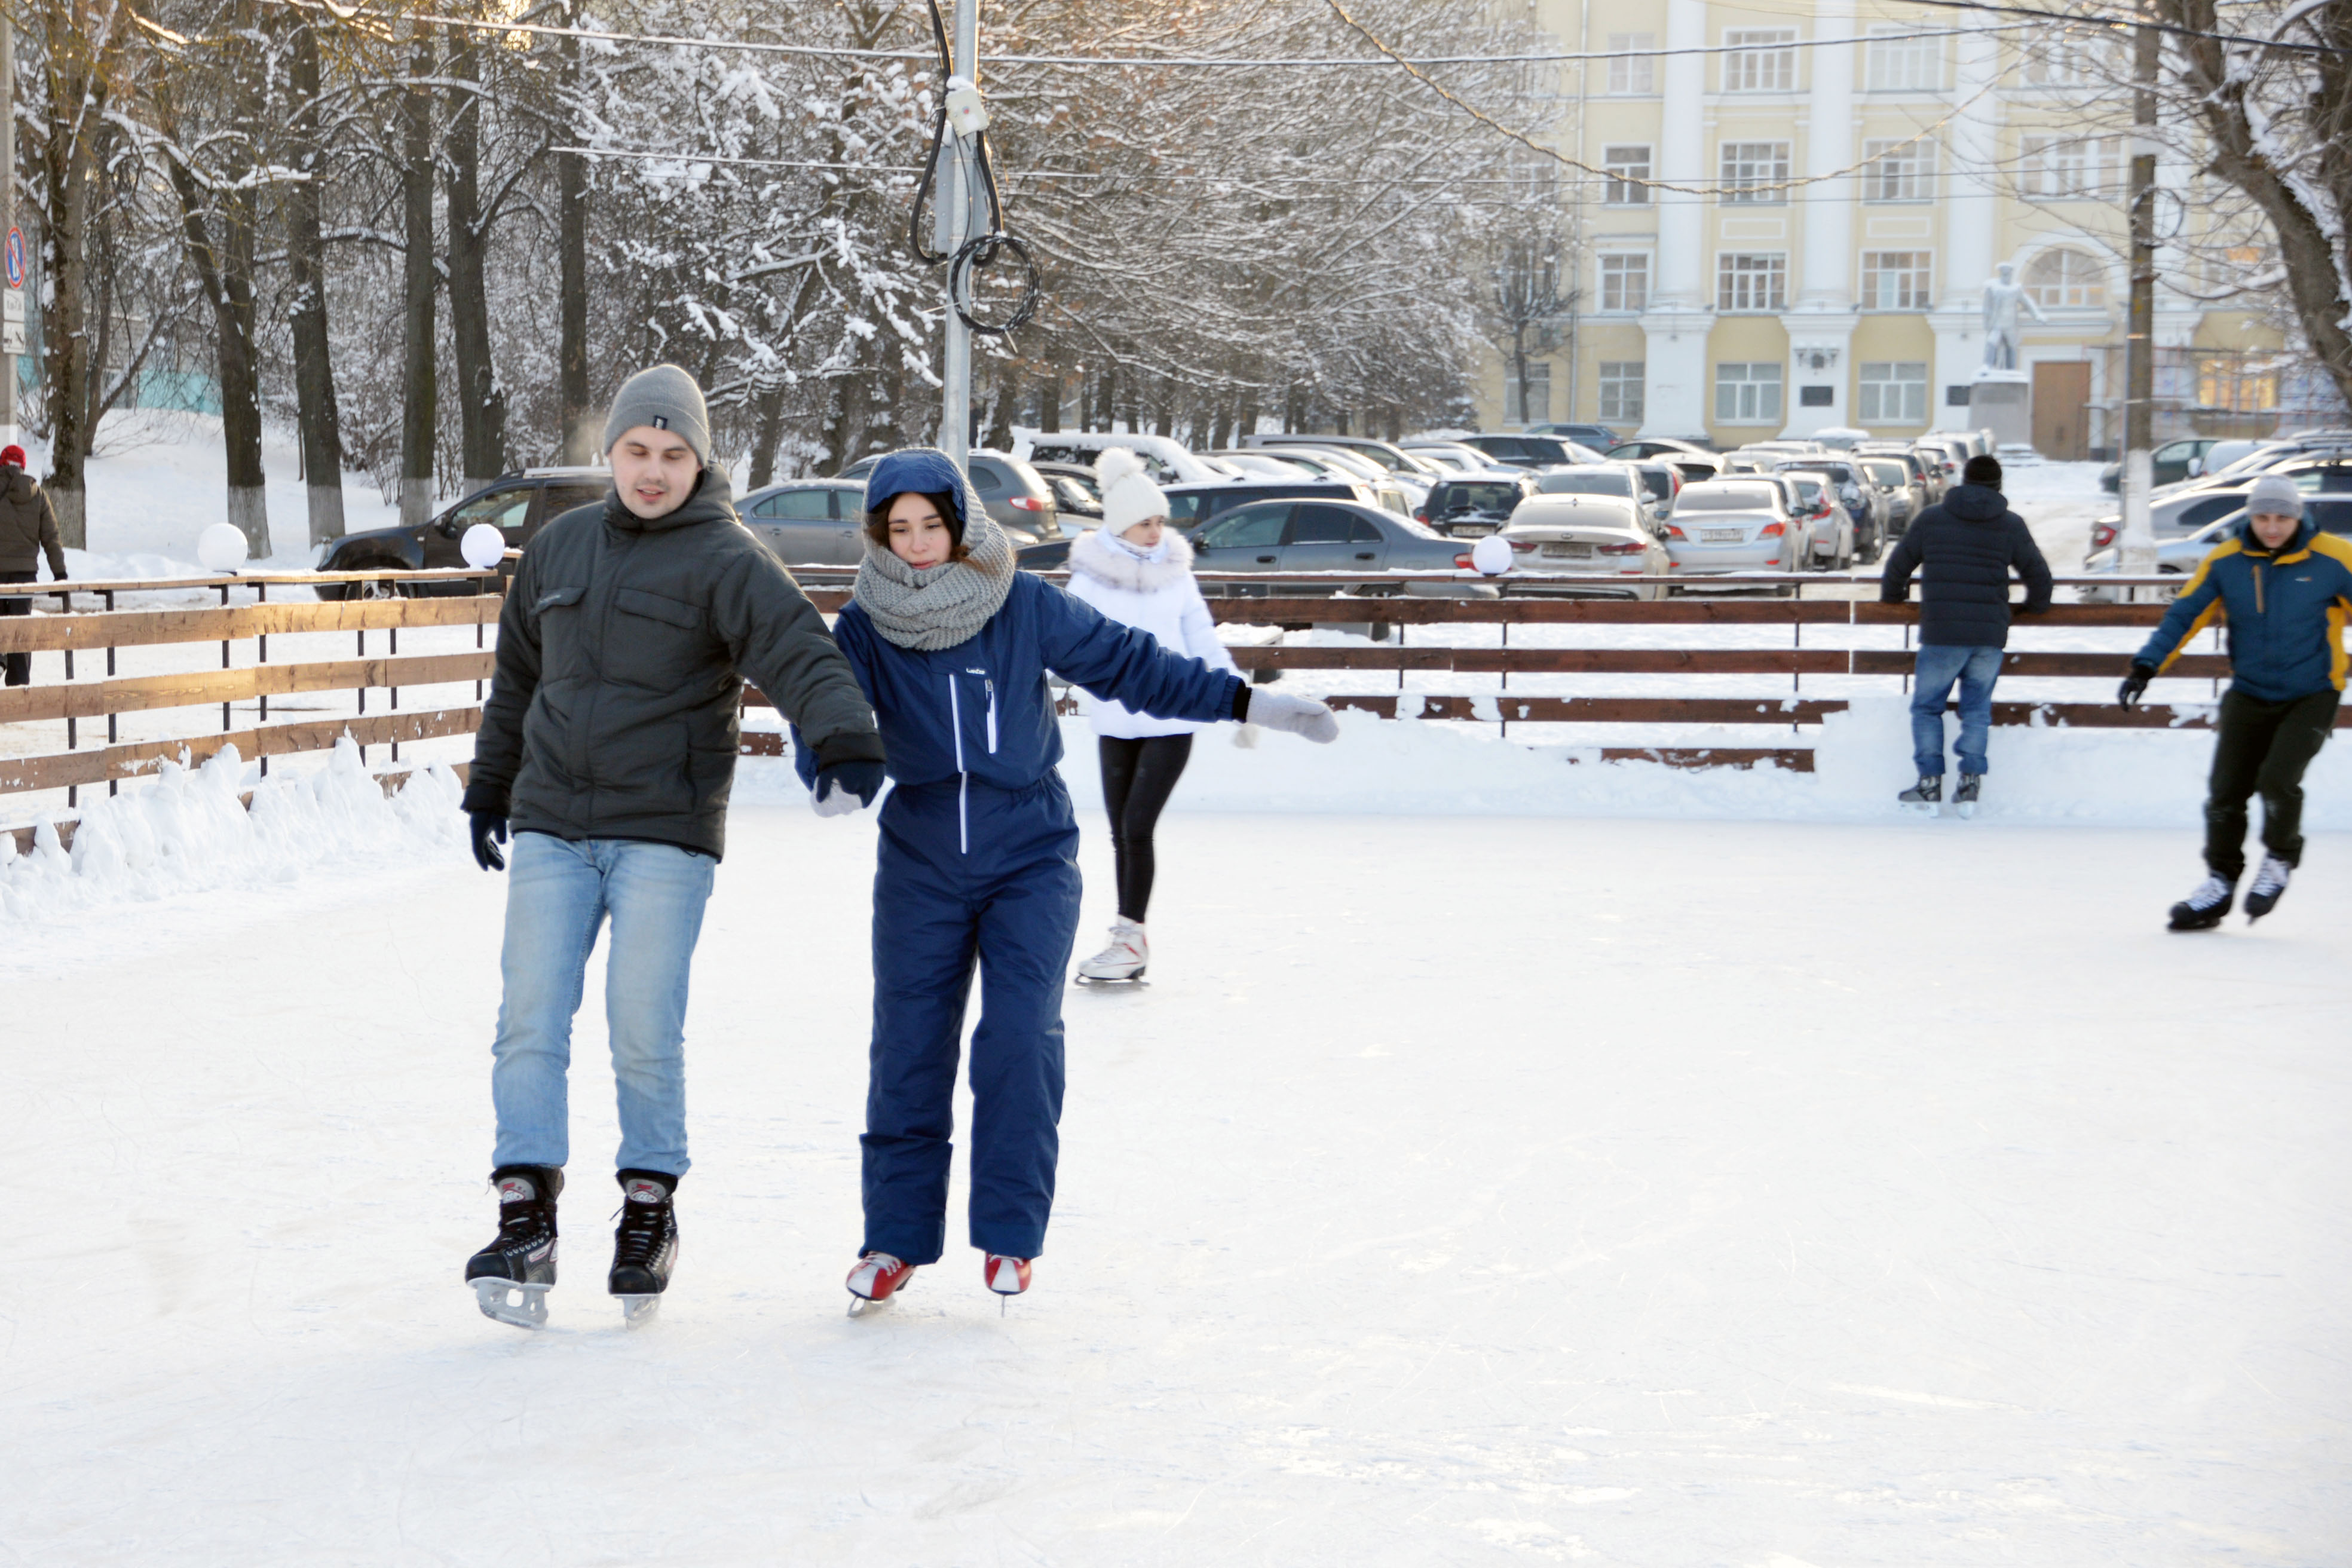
[
  {"x": 2258, "y": 590},
  {"x": 963, "y": 779},
  {"x": 992, "y": 716}
]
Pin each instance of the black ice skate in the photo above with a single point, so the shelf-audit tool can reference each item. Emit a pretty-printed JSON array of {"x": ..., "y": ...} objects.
[
  {"x": 510, "y": 1277},
  {"x": 644, "y": 1244},
  {"x": 2269, "y": 883},
  {"x": 1964, "y": 799},
  {"x": 1925, "y": 798},
  {"x": 2204, "y": 908}
]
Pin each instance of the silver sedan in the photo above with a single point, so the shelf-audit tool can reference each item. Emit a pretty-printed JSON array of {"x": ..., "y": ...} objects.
[
  {"x": 1736, "y": 524},
  {"x": 1602, "y": 540}
]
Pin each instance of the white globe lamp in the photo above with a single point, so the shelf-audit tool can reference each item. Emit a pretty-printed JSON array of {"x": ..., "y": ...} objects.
[
  {"x": 221, "y": 547},
  {"x": 483, "y": 547},
  {"x": 1492, "y": 555}
]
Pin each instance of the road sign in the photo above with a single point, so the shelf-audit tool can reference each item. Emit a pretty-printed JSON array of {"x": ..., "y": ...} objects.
[
  {"x": 11, "y": 336},
  {"x": 15, "y": 257},
  {"x": 12, "y": 305}
]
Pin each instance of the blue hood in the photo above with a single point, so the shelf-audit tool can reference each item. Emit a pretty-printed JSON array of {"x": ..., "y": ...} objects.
[{"x": 918, "y": 471}]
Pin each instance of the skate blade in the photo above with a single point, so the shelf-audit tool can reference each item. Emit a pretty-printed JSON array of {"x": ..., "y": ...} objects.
[
  {"x": 1968, "y": 810},
  {"x": 1921, "y": 807},
  {"x": 523, "y": 1306},
  {"x": 637, "y": 1311},
  {"x": 861, "y": 1306},
  {"x": 1134, "y": 981}
]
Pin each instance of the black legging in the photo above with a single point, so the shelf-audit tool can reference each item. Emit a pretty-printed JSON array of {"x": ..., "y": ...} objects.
[{"x": 1137, "y": 777}]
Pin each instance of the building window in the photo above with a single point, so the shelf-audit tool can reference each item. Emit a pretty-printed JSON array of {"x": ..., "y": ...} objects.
[
  {"x": 1628, "y": 168},
  {"x": 1755, "y": 173},
  {"x": 2068, "y": 59},
  {"x": 1895, "y": 279},
  {"x": 1748, "y": 394},
  {"x": 1893, "y": 392},
  {"x": 1900, "y": 61},
  {"x": 2065, "y": 280},
  {"x": 1632, "y": 73},
  {"x": 1620, "y": 387},
  {"x": 1751, "y": 280},
  {"x": 1898, "y": 170},
  {"x": 2231, "y": 384},
  {"x": 2065, "y": 168},
  {"x": 1625, "y": 282},
  {"x": 1760, "y": 59},
  {"x": 1538, "y": 404}
]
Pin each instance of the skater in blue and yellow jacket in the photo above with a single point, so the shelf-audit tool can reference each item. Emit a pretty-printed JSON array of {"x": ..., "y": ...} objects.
[
  {"x": 2284, "y": 591},
  {"x": 978, "y": 863}
]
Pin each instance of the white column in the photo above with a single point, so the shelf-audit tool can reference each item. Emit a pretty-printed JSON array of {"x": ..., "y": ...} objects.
[
  {"x": 1681, "y": 309},
  {"x": 1969, "y": 166},
  {"x": 1820, "y": 326}
]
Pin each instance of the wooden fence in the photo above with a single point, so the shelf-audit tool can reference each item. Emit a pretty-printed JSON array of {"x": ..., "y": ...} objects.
[{"x": 1409, "y": 629}]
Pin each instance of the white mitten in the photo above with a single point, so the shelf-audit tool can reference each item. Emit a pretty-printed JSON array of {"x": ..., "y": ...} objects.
[{"x": 1299, "y": 715}]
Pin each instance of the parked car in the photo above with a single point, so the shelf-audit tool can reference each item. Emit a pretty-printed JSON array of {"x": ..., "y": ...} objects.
[
  {"x": 1453, "y": 455},
  {"x": 1164, "y": 458},
  {"x": 1743, "y": 524},
  {"x": 1411, "y": 481},
  {"x": 1600, "y": 437},
  {"x": 809, "y": 522},
  {"x": 1926, "y": 469},
  {"x": 1906, "y": 497},
  {"x": 1654, "y": 494},
  {"x": 1263, "y": 463},
  {"x": 1687, "y": 459},
  {"x": 2179, "y": 556},
  {"x": 1078, "y": 498},
  {"x": 1862, "y": 500},
  {"x": 2192, "y": 508},
  {"x": 2172, "y": 462},
  {"x": 1603, "y": 540},
  {"x": 1192, "y": 506},
  {"x": 1532, "y": 451},
  {"x": 1320, "y": 536},
  {"x": 518, "y": 505},
  {"x": 1394, "y": 459},
  {"x": 1816, "y": 500},
  {"x": 1014, "y": 493},
  {"x": 1330, "y": 462},
  {"x": 1474, "y": 505}
]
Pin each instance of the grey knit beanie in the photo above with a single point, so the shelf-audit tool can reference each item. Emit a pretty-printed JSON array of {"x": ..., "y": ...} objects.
[
  {"x": 2274, "y": 494},
  {"x": 665, "y": 398}
]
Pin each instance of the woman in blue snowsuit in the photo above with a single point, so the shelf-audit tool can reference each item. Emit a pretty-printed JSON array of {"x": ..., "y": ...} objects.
[{"x": 979, "y": 854}]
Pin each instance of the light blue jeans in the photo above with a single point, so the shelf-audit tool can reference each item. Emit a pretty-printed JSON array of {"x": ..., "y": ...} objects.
[
  {"x": 558, "y": 894},
  {"x": 1975, "y": 668}
]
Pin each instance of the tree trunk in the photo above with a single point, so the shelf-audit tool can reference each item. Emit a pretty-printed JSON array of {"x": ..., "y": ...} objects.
[
  {"x": 418, "y": 389},
  {"x": 1049, "y": 403},
  {"x": 1245, "y": 421},
  {"x": 481, "y": 405},
  {"x": 305, "y": 257},
  {"x": 771, "y": 430},
  {"x": 70, "y": 175},
  {"x": 574, "y": 415},
  {"x": 1001, "y": 414},
  {"x": 1221, "y": 429}
]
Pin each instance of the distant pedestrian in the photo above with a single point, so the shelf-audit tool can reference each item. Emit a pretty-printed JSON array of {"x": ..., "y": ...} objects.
[
  {"x": 1139, "y": 572},
  {"x": 609, "y": 742},
  {"x": 1964, "y": 549},
  {"x": 28, "y": 530},
  {"x": 2285, "y": 590}
]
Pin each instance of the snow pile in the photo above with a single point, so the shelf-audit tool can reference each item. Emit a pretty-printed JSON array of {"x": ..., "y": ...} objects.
[{"x": 188, "y": 832}]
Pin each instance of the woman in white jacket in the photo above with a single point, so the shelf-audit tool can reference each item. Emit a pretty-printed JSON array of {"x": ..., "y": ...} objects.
[{"x": 1138, "y": 571}]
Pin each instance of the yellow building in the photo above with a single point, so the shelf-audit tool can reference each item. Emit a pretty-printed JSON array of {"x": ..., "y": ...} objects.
[{"x": 1869, "y": 168}]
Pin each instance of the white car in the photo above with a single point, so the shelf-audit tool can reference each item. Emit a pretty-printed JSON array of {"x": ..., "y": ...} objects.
[
  {"x": 1164, "y": 459},
  {"x": 1743, "y": 524},
  {"x": 1603, "y": 541}
]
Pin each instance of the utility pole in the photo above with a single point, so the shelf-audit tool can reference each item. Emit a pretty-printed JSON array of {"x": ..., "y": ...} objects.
[
  {"x": 2137, "y": 547},
  {"x": 12, "y": 287},
  {"x": 957, "y": 202}
]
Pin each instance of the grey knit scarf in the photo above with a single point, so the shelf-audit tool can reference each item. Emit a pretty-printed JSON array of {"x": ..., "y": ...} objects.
[{"x": 938, "y": 606}]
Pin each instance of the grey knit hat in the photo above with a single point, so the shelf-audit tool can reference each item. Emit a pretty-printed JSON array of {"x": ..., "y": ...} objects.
[
  {"x": 2276, "y": 495},
  {"x": 665, "y": 398}
]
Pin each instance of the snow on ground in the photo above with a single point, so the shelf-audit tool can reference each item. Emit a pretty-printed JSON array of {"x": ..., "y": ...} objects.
[{"x": 1465, "y": 1189}]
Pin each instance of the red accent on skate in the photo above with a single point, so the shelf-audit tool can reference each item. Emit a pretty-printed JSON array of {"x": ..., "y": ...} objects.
[
  {"x": 1006, "y": 1276},
  {"x": 877, "y": 1275}
]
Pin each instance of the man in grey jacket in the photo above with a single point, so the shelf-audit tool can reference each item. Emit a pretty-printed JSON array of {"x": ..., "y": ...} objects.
[
  {"x": 28, "y": 530},
  {"x": 608, "y": 745}
]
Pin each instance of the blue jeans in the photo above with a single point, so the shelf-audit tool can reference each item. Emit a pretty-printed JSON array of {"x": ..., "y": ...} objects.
[
  {"x": 558, "y": 894},
  {"x": 1975, "y": 668}
]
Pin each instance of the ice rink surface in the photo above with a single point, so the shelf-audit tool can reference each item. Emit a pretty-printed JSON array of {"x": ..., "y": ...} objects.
[{"x": 1462, "y": 1191}]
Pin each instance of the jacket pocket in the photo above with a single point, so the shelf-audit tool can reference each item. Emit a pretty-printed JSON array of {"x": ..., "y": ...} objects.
[
  {"x": 659, "y": 607},
  {"x": 655, "y": 642},
  {"x": 553, "y": 598}
]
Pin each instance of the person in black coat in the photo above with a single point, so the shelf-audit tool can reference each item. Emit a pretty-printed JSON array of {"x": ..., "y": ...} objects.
[{"x": 1964, "y": 549}]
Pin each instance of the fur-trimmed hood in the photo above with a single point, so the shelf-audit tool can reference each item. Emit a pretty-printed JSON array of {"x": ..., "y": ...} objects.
[{"x": 1112, "y": 562}]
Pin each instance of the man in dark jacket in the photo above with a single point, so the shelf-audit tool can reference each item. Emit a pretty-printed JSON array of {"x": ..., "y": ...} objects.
[
  {"x": 28, "y": 530},
  {"x": 609, "y": 743},
  {"x": 2285, "y": 590},
  {"x": 1964, "y": 548}
]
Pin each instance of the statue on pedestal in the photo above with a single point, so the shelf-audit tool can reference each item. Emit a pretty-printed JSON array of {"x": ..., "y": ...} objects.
[{"x": 2002, "y": 296}]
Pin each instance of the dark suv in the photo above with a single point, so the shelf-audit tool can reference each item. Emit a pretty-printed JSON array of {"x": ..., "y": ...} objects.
[
  {"x": 1475, "y": 504},
  {"x": 1523, "y": 451},
  {"x": 519, "y": 506}
]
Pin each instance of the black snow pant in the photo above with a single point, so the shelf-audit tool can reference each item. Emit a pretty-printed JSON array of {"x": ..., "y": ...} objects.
[
  {"x": 2262, "y": 748},
  {"x": 19, "y": 666},
  {"x": 1138, "y": 776}
]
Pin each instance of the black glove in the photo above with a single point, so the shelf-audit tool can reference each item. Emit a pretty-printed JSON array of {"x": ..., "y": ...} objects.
[
  {"x": 487, "y": 826},
  {"x": 862, "y": 779},
  {"x": 2134, "y": 685}
]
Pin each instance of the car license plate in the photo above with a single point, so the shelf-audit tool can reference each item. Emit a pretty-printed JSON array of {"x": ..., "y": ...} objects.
[
  {"x": 1568, "y": 552},
  {"x": 1722, "y": 535}
]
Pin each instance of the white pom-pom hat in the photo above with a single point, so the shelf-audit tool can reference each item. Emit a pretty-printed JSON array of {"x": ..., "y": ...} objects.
[{"x": 1129, "y": 495}]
